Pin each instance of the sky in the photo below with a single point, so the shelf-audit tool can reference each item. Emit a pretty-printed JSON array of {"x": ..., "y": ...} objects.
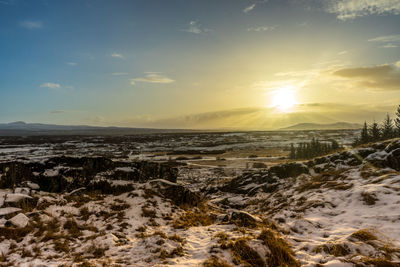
[{"x": 201, "y": 64}]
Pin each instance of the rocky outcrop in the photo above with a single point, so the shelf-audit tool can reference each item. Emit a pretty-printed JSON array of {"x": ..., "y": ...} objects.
[
  {"x": 179, "y": 194},
  {"x": 68, "y": 173},
  {"x": 287, "y": 170}
]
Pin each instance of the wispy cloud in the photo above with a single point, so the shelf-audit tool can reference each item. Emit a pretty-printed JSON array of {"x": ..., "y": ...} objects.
[
  {"x": 117, "y": 55},
  {"x": 249, "y": 8},
  {"x": 58, "y": 111},
  {"x": 28, "y": 24},
  {"x": 388, "y": 41},
  {"x": 50, "y": 85},
  {"x": 262, "y": 28},
  {"x": 72, "y": 64},
  {"x": 152, "y": 78},
  {"x": 196, "y": 28},
  {"x": 350, "y": 9},
  {"x": 119, "y": 73}
]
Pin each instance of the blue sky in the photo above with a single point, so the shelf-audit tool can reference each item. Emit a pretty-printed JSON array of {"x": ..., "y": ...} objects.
[{"x": 197, "y": 64}]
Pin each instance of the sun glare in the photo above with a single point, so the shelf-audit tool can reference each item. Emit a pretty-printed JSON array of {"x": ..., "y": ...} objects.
[{"x": 284, "y": 99}]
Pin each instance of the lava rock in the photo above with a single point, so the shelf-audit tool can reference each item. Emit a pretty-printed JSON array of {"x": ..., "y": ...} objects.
[{"x": 179, "y": 194}]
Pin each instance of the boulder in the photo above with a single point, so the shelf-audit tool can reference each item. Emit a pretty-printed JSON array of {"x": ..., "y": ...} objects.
[
  {"x": 393, "y": 159},
  {"x": 20, "y": 221},
  {"x": 287, "y": 170},
  {"x": 179, "y": 194},
  {"x": 19, "y": 201},
  {"x": 243, "y": 218},
  {"x": 9, "y": 212}
]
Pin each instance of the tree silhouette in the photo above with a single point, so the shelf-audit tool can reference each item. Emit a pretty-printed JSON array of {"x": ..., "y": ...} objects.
[{"x": 387, "y": 128}]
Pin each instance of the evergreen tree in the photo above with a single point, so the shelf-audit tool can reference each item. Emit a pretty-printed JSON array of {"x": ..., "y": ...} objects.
[
  {"x": 364, "y": 138},
  {"x": 334, "y": 145},
  {"x": 292, "y": 151},
  {"x": 397, "y": 122},
  {"x": 375, "y": 132},
  {"x": 387, "y": 128}
]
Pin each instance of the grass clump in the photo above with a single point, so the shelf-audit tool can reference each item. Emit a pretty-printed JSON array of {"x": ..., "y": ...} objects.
[
  {"x": 369, "y": 198},
  {"x": 149, "y": 213},
  {"x": 216, "y": 262},
  {"x": 243, "y": 254},
  {"x": 364, "y": 235},
  {"x": 280, "y": 252},
  {"x": 191, "y": 218}
]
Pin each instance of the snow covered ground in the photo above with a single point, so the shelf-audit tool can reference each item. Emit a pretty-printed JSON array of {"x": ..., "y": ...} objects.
[{"x": 337, "y": 210}]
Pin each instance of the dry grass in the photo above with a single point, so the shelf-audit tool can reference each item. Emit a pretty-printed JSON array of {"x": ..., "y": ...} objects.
[
  {"x": 369, "y": 198},
  {"x": 331, "y": 179},
  {"x": 242, "y": 253},
  {"x": 73, "y": 228},
  {"x": 178, "y": 251},
  {"x": 197, "y": 217},
  {"x": 364, "y": 235},
  {"x": 149, "y": 213},
  {"x": 280, "y": 252},
  {"x": 335, "y": 249},
  {"x": 378, "y": 262},
  {"x": 216, "y": 262}
]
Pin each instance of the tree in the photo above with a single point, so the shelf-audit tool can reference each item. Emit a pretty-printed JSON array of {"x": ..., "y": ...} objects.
[
  {"x": 334, "y": 145},
  {"x": 387, "y": 128},
  {"x": 375, "y": 132},
  {"x": 364, "y": 138},
  {"x": 397, "y": 122},
  {"x": 292, "y": 151}
]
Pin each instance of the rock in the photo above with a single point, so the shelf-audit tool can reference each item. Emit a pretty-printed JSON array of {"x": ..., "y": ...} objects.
[
  {"x": 259, "y": 165},
  {"x": 33, "y": 186},
  {"x": 60, "y": 174},
  {"x": 393, "y": 159},
  {"x": 20, "y": 221},
  {"x": 287, "y": 170},
  {"x": 9, "y": 211},
  {"x": 243, "y": 218},
  {"x": 19, "y": 201},
  {"x": 179, "y": 194}
]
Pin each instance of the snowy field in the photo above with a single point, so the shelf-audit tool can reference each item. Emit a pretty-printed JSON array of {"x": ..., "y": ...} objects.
[{"x": 171, "y": 200}]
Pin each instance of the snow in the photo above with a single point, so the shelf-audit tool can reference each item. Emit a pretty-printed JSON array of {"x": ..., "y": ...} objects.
[
  {"x": 8, "y": 210},
  {"x": 20, "y": 220}
]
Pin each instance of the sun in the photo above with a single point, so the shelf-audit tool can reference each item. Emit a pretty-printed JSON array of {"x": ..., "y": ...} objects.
[{"x": 283, "y": 99}]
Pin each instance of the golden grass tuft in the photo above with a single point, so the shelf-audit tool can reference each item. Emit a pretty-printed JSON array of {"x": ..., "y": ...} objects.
[
  {"x": 280, "y": 252},
  {"x": 216, "y": 262},
  {"x": 242, "y": 253},
  {"x": 364, "y": 235}
]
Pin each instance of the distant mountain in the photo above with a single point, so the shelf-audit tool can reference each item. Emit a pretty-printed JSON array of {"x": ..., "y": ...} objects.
[
  {"x": 23, "y": 128},
  {"x": 317, "y": 126}
]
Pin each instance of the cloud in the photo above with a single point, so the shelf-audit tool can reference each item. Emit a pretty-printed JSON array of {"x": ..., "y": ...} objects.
[
  {"x": 262, "y": 118},
  {"x": 350, "y": 9},
  {"x": 261, "y": 28},
  {"x": 31, "y": 24},
  {"x": 57, "y": 111},
  {"x": 152, "y": 78},
  {"x": 249, "y": 8},
  {"x": 119, "y": 73},
  {"x": 196, "y": 28},
  {"x": 388, "y": 41},
  {"x": 379, "y": 77},
  {"x": 51, "y": 85},
  {"x": 117, "y": 55},
  {"x": 72, "y": 63}
]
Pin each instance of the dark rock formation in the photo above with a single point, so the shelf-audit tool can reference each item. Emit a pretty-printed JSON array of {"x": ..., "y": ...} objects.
[
  {"x": 179, "y": 194},
  {"x": 68, "y": 173}
]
